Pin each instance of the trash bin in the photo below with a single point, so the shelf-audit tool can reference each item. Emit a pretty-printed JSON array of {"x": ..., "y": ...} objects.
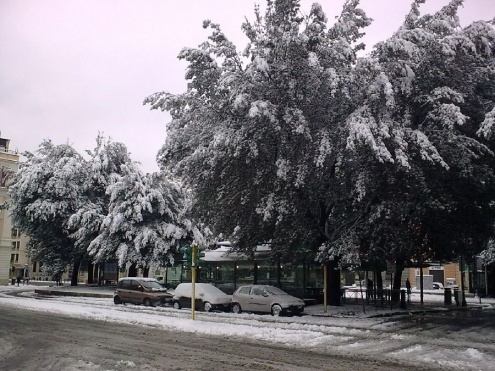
[
  {"x": 447, "y": 296},
  {"x": 13, "y": 281}
]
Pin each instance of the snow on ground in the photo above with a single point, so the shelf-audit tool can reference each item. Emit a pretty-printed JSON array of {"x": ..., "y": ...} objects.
[{"x": 344, "y": 329}]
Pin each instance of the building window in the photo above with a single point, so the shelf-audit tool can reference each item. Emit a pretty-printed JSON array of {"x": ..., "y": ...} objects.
[
  {"x": 12, "y": 258},
  {"x": 15, "y": 233},
  {"x": 16, "y": 245},
  {"x": 34, "y": 267},
  {"x": 3, "y": 178},
  {"x": 17, "y": 258}
]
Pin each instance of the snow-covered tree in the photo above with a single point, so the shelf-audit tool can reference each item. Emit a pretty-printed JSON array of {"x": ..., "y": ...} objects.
[
  {"x": 105, "y": 161},
  {"x": 45, "y": 192},
  {"x": 297, "y": 141},
  {"x": 426, "y": 180},
  {"x": 488, "y": 255},
  {"x": 248, "y": 138},
  {"x": 259, "y": 136},
  {"x": 146, "y": 221},
  {"x": 431, "y": 130}
]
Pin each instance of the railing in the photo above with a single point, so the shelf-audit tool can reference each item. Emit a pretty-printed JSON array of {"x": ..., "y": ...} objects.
[
  {"x": 5, "y": 150},
  {"x": 376, "y": 297}
]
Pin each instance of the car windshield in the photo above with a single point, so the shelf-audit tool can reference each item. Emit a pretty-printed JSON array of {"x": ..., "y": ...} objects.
[
  {"x": 153, "y": 285},
  {"x": 275, "y": 291}
]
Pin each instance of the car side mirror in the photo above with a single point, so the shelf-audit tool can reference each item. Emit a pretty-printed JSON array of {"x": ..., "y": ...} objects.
[
  {"x": 265, "y": 294},
  {"x": 141, "y": 288}
]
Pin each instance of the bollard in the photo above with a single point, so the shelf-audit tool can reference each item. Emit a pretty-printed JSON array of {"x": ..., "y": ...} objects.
[
  {"x": 403, "y": 299},
  {"x": 447, "y": 298},
  {"x": 456, "y": 296}
]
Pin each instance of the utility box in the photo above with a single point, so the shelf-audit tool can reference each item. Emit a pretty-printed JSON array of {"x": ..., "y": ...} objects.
[{"x": 427, "y": 282}]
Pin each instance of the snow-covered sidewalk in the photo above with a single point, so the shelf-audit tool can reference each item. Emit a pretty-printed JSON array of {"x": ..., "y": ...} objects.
[{"x": 432, "y": 301}]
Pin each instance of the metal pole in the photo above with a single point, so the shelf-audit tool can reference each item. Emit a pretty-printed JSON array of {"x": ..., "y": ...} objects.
[
  {"x": 486, "y": 279},
  {"x": 193, "y": 280},
  {"x": 421, "y": 278},
  {"x": 325, "y": 274},
  {"x": 391, "y": 289}
]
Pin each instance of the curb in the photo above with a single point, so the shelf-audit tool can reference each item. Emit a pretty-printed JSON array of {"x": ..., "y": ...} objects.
[
  {"x": 72, "y": 293},
  {"x": 406, "y": 311}
]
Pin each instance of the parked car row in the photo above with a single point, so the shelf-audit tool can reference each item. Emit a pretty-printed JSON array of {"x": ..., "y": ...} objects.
[{"x": 248, "y": 298}]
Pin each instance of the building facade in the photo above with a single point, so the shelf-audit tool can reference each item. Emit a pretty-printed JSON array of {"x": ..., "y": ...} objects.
[{"x": 14, "y": 259}]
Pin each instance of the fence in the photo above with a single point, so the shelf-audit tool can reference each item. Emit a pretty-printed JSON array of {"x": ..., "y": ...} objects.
[{"x": 383, "y": 297}]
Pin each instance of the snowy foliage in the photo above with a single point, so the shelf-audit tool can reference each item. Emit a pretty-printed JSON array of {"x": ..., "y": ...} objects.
[
  {"x": 298, "y": 141},
  {"x": 488, "y": 255},
  {"x": 105, "y": 161},
  {"x": 98, "y": 209},
  {"x": 46, "y": 191},
  {"x": 145, "y": 219}
]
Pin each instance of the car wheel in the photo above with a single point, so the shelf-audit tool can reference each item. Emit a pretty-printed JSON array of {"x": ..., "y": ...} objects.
[
  {"x": 116, "y": 300},
  {"x": 236, "y": 308},
  {"x": 276, "y": 310},
  {"x": 147, "y": 302},
  {"x": 176, "y": 305},
  {"x": 207, "y": 307}
]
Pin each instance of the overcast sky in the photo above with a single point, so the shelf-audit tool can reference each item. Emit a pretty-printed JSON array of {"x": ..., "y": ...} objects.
[{"x": 72, "y": 68}]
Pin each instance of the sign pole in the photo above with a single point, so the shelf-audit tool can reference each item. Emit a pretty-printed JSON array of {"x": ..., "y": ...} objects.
[
  {"x": 325, "y": 275},
  {"x": 193, "y": 281}
]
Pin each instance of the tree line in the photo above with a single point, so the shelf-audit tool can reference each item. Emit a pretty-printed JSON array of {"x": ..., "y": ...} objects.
[
  {"x": 98, "y": 208},
  {"x": 301, "y": 141}
]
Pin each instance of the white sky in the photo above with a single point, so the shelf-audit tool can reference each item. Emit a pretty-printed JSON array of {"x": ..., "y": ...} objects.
[
  {"x": 71, "y": 69},
  {"x": 355, "y": 334}
]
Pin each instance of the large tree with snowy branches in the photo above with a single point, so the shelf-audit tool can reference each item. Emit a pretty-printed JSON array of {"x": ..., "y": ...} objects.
[
  {"x": 44, "y": 194},
  {"x": 104, "y": 161},
  {"x": 146, "y": 221},
  {"x": 298, "y": 142},
  {"x": 98, "y": 209},
  {"x": 435, "y": 124}
]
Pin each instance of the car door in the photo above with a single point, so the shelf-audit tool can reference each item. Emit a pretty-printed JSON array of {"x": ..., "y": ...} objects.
[
  {"x": 255, "y": 300},
  {"x": 243, "y": 297},
  {"x": 135, "y": 292},
  {"x": 200, "y": 298},
  {"x": 128, "y": 291},
  {"x": 259, "y": 300},
  {"x": 184, "y": 296}
]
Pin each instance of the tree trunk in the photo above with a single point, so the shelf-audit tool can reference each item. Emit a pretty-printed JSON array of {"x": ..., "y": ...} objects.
[
  {"x": 133, "y": 270},
  {"x": 399, "y": 267},
  {"x": 379, "y": 280},
  {"x": 333, "y": 283},
  {"x": 101, "y": 270},
  {"x": 379, "y": 284},
  {"x": 90, "y": 273},
  {"x": 96, "y": 273},
  {"x": 75, "y": 273}
]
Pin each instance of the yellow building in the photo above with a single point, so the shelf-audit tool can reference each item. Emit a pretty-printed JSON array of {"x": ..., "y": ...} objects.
[
  {"x": 446, "y": 274},
  {"x": 14, "y": 260}
]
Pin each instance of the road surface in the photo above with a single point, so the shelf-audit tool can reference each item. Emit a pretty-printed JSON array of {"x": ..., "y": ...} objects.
[{"x": 31, "y": 340}]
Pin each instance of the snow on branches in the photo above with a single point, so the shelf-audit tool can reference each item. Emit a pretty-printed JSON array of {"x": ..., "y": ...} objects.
[{"x": 285, "y": 138}]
